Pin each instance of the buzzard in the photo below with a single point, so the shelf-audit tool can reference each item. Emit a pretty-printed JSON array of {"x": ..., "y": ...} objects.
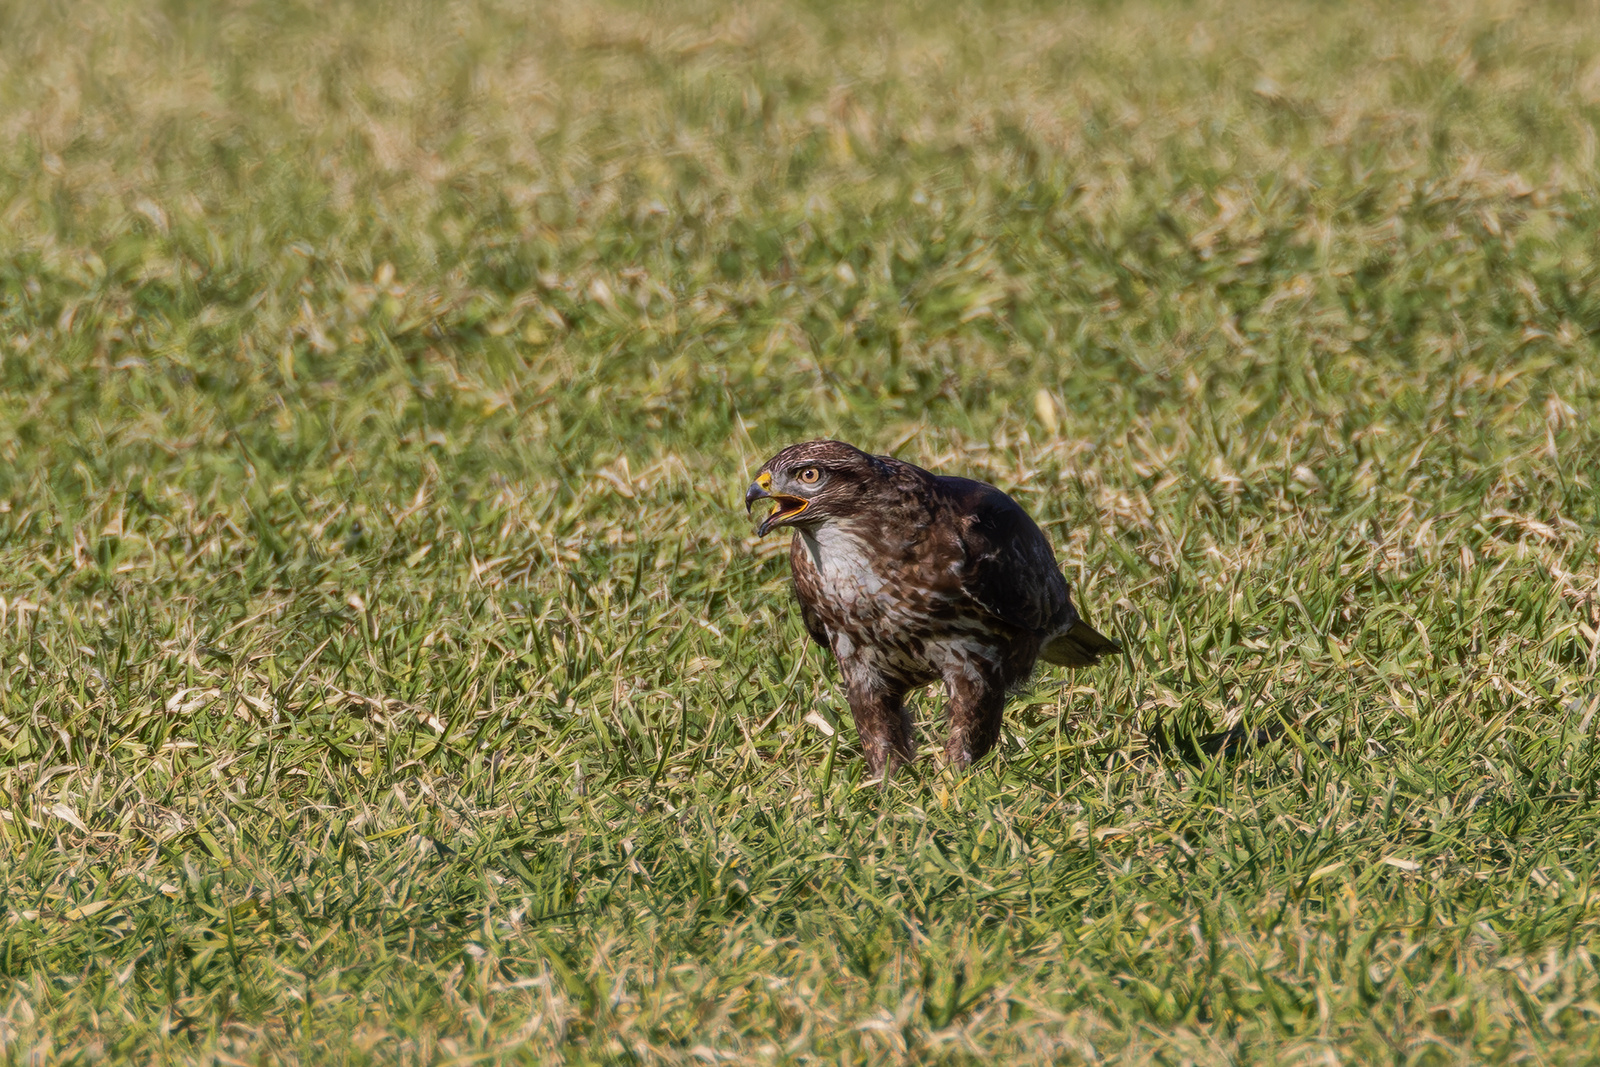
[{"x": 911, "y": 578}]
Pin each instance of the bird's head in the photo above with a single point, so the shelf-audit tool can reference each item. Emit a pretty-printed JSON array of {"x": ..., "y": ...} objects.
[{"x": 813, "y": 483}]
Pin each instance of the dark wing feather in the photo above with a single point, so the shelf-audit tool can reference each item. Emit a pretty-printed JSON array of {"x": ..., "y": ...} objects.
[
  {"x": 1010, "y": 569},
  {"x": 807, "y": 589}
]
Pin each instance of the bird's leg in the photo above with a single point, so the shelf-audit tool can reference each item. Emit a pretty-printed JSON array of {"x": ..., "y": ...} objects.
[
  {"x": 884, "y": 726},
  {"x": 977, "y": 700}
]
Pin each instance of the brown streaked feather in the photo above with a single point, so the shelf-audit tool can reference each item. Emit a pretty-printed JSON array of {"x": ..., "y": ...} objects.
[{"x": 806, "y": 592}]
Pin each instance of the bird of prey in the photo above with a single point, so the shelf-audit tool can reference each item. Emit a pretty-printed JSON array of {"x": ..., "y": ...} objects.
[{"x": 911, "y": 578}]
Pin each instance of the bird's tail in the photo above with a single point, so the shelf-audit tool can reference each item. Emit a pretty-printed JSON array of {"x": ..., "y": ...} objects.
[{"x": 1081, "y": 645}]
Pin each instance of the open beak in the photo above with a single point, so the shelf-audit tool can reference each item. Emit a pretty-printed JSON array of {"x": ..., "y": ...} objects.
[{"x": 788, "y": 506}]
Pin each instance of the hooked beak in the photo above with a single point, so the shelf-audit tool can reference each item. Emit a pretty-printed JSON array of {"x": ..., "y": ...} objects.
[{"x": 788, "y": 506}]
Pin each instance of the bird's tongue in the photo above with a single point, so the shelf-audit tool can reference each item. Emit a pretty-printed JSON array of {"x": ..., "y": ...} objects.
[{"x": 788, "y": 507}]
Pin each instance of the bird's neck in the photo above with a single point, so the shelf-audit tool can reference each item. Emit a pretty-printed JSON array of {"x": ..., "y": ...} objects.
[
  {"x": 835, "y": 545},
  {"x": 831, "y": 537}
]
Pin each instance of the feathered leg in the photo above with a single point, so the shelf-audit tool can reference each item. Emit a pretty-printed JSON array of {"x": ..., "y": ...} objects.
[
  {"x": 977, "y": 701},
  {"x": 884, "y": 726}
]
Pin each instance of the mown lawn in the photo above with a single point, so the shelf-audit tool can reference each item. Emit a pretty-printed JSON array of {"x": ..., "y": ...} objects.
[{"x": 389, "y": 674}]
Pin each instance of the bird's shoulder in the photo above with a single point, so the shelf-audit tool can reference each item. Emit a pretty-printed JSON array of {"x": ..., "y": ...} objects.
[
  {"x": 988, "y": 518},
  {"x": 977, "y": 500},
  {"x": 1007, "y": 565}
]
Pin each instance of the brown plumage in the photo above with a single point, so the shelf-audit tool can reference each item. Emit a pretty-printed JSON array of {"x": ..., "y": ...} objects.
[{"x": 911, "y": 578}]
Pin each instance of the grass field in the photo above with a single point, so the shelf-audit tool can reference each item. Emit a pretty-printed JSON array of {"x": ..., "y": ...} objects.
[{"x": 389, "y": 674}]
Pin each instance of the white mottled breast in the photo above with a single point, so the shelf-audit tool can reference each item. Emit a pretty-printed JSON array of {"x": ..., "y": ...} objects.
[
  {"x": 873, "y": 609},
  {"x": 844, "y": 565}
]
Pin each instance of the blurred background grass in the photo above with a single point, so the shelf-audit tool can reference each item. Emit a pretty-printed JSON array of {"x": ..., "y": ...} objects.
[{"x": 387, "y": 673}]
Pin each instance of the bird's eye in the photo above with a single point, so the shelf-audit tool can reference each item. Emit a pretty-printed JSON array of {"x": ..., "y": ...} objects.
[{"x": 810, "y": 476}]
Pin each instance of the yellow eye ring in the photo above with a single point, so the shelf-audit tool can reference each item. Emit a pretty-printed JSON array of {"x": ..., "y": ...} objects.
[{"x": 810, "y": 476}]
